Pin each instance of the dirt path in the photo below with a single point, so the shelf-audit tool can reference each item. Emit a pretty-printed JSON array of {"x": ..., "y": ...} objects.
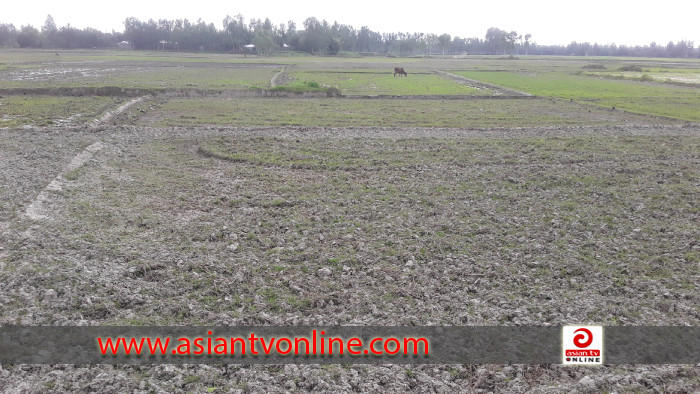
[{"x": 273, "y": 81}]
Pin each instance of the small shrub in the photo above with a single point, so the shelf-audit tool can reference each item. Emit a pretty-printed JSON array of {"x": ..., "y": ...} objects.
[
  {"x": 646, "y": 78},
  {"x": 312, "y": 84},
  {"x": 594, "y": 67},
  {"x": 631, "y": 67}
]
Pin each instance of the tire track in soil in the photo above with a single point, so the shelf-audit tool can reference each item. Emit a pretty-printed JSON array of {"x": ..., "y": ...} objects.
[
  {"x": 36, "y": 210},
  {"x": 110, "y": 114}
]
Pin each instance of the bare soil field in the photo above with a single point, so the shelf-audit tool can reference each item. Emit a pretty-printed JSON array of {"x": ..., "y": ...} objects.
[{"x": 137, "y": 221}]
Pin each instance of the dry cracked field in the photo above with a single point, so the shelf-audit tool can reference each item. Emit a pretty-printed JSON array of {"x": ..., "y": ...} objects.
[{"x": 135, "y": 220}]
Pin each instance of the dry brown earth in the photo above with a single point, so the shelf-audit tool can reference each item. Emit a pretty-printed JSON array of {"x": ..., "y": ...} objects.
[{"x": 366, "y": 226}]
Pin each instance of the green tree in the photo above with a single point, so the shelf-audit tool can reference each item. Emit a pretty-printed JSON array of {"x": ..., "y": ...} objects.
[
  {"x": 431, "y": 42},
  {"x": 527, "y": 42},
  {"x": 68, "y": 36},
  {"x": 368, "y": 41},
  {"x": 495, "y": 40},
  {"x": 500, "y": 41},
  {"x": 8, "y": 35},
  {"x": 511, "y": 38},
  {"x": 315, "y": 35},
  {"x": 237, "y": 30},
  {"x": 333, "y": 46},
  {"x": 50, "y": 32},
  {"x": 29, "y": 37},
  {"x": 263, "y": 40},
  {"x": 444, "y": 41}
]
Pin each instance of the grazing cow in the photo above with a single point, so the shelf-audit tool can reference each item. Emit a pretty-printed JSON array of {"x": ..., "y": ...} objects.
[{"x": 400, "y": 71}]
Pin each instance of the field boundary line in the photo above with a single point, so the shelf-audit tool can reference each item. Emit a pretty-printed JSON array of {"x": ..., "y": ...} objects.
[
  {"x": 498, "y": 89},
  {"x": 35, "y": 210},
  {"x": 441, "y": 97}
]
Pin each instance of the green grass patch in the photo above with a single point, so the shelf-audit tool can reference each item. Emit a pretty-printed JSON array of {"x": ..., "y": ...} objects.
[
  {"x": 46, "y": 110},
  {"x": 645, "y": 98},
  {"x": 382, "y": 82}
]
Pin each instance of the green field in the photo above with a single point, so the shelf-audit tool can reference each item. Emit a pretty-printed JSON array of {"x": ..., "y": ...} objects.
[
  {"x": 383, "y": 82},
  {"x": 572, "y": 91},
  {"x": 663, "y": 87},
  {"x": 16, "y": 111},
  {"x": 643, "y": 97}
]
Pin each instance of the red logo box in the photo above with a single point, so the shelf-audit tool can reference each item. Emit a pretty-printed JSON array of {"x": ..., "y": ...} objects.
[{"x": 582, "y": 345}]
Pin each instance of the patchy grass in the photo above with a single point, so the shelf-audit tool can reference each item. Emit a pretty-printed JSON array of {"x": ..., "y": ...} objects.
[
  {"x": 213, "y": 226},
  {"x": 143, "y": 76},
  {"x": 355, "y": 154},
  {"x": 380, "y": 112},
  {"x": 644, "y": 98},
  {"x": 46, "y": 110},
  {"x": 224, "y": 228},
  {"x": 200, "y": 78},
  {"x": 678, "y": 76}
]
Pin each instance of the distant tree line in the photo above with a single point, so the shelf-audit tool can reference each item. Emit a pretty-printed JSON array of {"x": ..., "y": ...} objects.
[
  {"x": 315, "y": 36},
  {"x": 51, "y": 36}
]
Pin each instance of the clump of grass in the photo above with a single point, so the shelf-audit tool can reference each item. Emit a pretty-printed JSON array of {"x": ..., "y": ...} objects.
[
  {"x": 631, "y": 67},
  {"x": 594, "y": 67},
  {"x": 308, "y": 86}
]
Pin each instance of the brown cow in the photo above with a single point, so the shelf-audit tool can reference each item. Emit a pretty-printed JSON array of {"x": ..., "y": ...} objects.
[{"x": 400, "y": 71}]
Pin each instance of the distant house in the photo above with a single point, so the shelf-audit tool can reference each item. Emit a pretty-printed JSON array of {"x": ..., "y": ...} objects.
[
  {"x": 250, "y": 48},
  {"x": 125, "y": 45},
  {"x": 168, "y": 45}
]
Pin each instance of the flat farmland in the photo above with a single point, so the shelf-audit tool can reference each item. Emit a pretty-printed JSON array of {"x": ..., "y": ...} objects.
[
  {"x": 343, "y": 112},
  {"x": 383, "y": 82},
  {"x": 221, "y": 204},
  {"x": 657, "y": 88},
  {"x": 45, "y": 110},
  {"x": 146, "y": 76}
]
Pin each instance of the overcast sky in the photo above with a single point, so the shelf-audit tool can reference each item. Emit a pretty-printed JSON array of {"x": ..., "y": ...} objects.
[{"x": 549, "y": 22}]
